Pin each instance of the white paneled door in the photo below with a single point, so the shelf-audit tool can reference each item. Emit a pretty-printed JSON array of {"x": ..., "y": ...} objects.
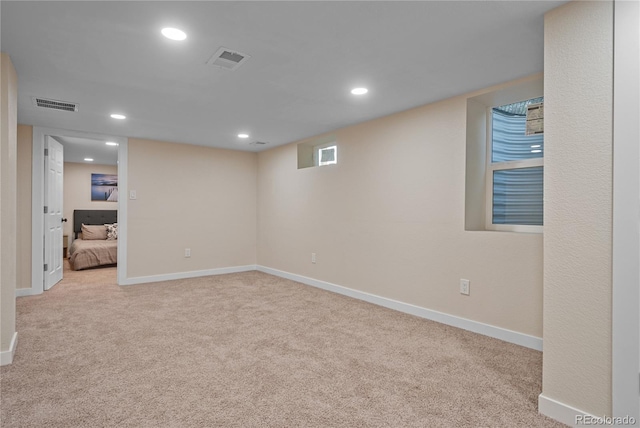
[{"x": 53, "y": 196}]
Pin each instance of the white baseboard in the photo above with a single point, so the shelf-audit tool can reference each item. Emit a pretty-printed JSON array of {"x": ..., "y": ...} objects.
[
  {"x": 184, "y": 275},
  {"x": 452, "y": 320},
  {"x": 20, "y": 292},
  {"x": 560, "y": 412},
  {"x": 6, "y": 357}
]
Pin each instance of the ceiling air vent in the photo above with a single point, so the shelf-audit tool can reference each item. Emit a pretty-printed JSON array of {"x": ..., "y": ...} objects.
[
  {"x": 55, "y": 104},
  {"x": 228, "y": 59},
  {"x": 259, "y": 143}
]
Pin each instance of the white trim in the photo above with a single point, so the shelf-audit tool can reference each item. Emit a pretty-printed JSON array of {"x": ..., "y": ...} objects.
[
  {"x": 626, "y": 212},
  {"x": 559, "y": 411},
  {"x": 520, "y": 228},
  {"x": 6, "y": 357},
  {"x": 37, "y": 200},
  {"x": 452, "y": 320},
  {"x": 123, "y": 201},
  {"x": 184, "y": 275},
  {"x": 21, "y": 292},
  {"x": 317, "y": 151},
  {"x": 528, "y": 163},
  {"x": 37, "y": 204}
]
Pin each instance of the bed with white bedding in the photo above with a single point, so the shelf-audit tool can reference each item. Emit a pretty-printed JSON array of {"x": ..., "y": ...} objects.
[{"x": 96, "y": 239}]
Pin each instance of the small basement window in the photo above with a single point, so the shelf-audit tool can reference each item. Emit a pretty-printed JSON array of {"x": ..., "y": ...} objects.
[
  {"x": 327, "y": 155},
  {"x": 318, "y": 152},
  {"x": 504, "y": 173},
  {"x": 515, "y": 166}
]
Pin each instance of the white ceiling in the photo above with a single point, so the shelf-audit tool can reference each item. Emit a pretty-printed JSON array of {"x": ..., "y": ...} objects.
[
  {"x": 76, "y": 149},
  {"x": 305, "y": 57}
]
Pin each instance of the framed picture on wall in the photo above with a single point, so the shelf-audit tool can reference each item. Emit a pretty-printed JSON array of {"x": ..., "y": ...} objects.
[{"x": 104, "y": 187}]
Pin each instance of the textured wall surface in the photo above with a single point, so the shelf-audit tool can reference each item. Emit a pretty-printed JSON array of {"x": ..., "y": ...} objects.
[
  {"x": 8, "y": 165},
  {"x": 388, "y": 219},
  {"x": 578, "y": 197}
]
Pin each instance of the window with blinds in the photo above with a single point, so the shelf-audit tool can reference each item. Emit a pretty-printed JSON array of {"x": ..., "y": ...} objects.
[{"x": 515, "y": 166}]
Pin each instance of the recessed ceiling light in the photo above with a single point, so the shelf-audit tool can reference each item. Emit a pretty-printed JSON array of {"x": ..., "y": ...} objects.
[
  {"x": 118, "y": 116},
  {"x": 111, "y": 143},
  {"x": 174, "y": 34},
  {"x": 359, "y": 91},
  {"x": 243, "y": 135},
  {"x": 88, "y": 159}
]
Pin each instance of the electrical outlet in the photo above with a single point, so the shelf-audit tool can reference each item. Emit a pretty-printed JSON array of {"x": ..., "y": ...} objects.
[
  {"x": 313, "y": 257},
  {"x": 187, "y": 252},
  {"x": 464, "y": 286}
]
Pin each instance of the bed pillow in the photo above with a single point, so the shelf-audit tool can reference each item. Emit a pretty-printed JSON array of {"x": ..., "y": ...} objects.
[
  {"x": 112, "y": 231},
  {"x": 94, "y": 233}
]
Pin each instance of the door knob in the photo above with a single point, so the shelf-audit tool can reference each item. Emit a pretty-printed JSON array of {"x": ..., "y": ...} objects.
[{"x": 64, "y": 220}]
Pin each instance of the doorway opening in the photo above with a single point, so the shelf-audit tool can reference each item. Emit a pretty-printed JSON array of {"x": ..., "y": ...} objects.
[{"x": 51, "y": 234}]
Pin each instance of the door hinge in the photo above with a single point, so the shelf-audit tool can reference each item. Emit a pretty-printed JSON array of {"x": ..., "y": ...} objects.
[
  {"x": 46, "y": 267},
  {"x": 46, "y": 152},
  {"x": 46, "y": 209}
]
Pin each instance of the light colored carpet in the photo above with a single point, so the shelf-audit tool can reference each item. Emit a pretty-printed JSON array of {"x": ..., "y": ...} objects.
[{"x": 252, "y": 350}]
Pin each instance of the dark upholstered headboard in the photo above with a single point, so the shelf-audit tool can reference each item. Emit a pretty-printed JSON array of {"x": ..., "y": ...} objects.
[{"x": 81, "y": 217}]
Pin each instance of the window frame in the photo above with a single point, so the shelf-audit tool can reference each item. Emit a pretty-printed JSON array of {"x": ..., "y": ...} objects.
[
  {"x": 490, "y": 167},
  {"x": 317, "y": 151}
]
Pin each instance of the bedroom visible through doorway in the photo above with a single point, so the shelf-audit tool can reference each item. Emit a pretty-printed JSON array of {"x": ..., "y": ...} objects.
[
  {"x": 90, "y": 201},
  {"x": 90, "y": 185}
]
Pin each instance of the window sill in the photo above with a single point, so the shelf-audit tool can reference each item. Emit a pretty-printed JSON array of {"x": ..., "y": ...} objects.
[{"x": 518, "y": 228}]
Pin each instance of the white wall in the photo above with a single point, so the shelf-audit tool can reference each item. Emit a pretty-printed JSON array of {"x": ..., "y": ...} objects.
[
  {"x": 578, "y": 207},
  {"x": 626, "y": 210}
]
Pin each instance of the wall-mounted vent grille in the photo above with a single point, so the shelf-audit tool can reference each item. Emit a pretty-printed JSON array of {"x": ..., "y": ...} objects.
[
  {"x": 228, "y": 59},
  {"x": 55, "y": 104}
]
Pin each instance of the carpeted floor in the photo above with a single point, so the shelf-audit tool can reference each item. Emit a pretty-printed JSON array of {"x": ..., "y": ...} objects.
[{"x": 252, "y": 350}]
